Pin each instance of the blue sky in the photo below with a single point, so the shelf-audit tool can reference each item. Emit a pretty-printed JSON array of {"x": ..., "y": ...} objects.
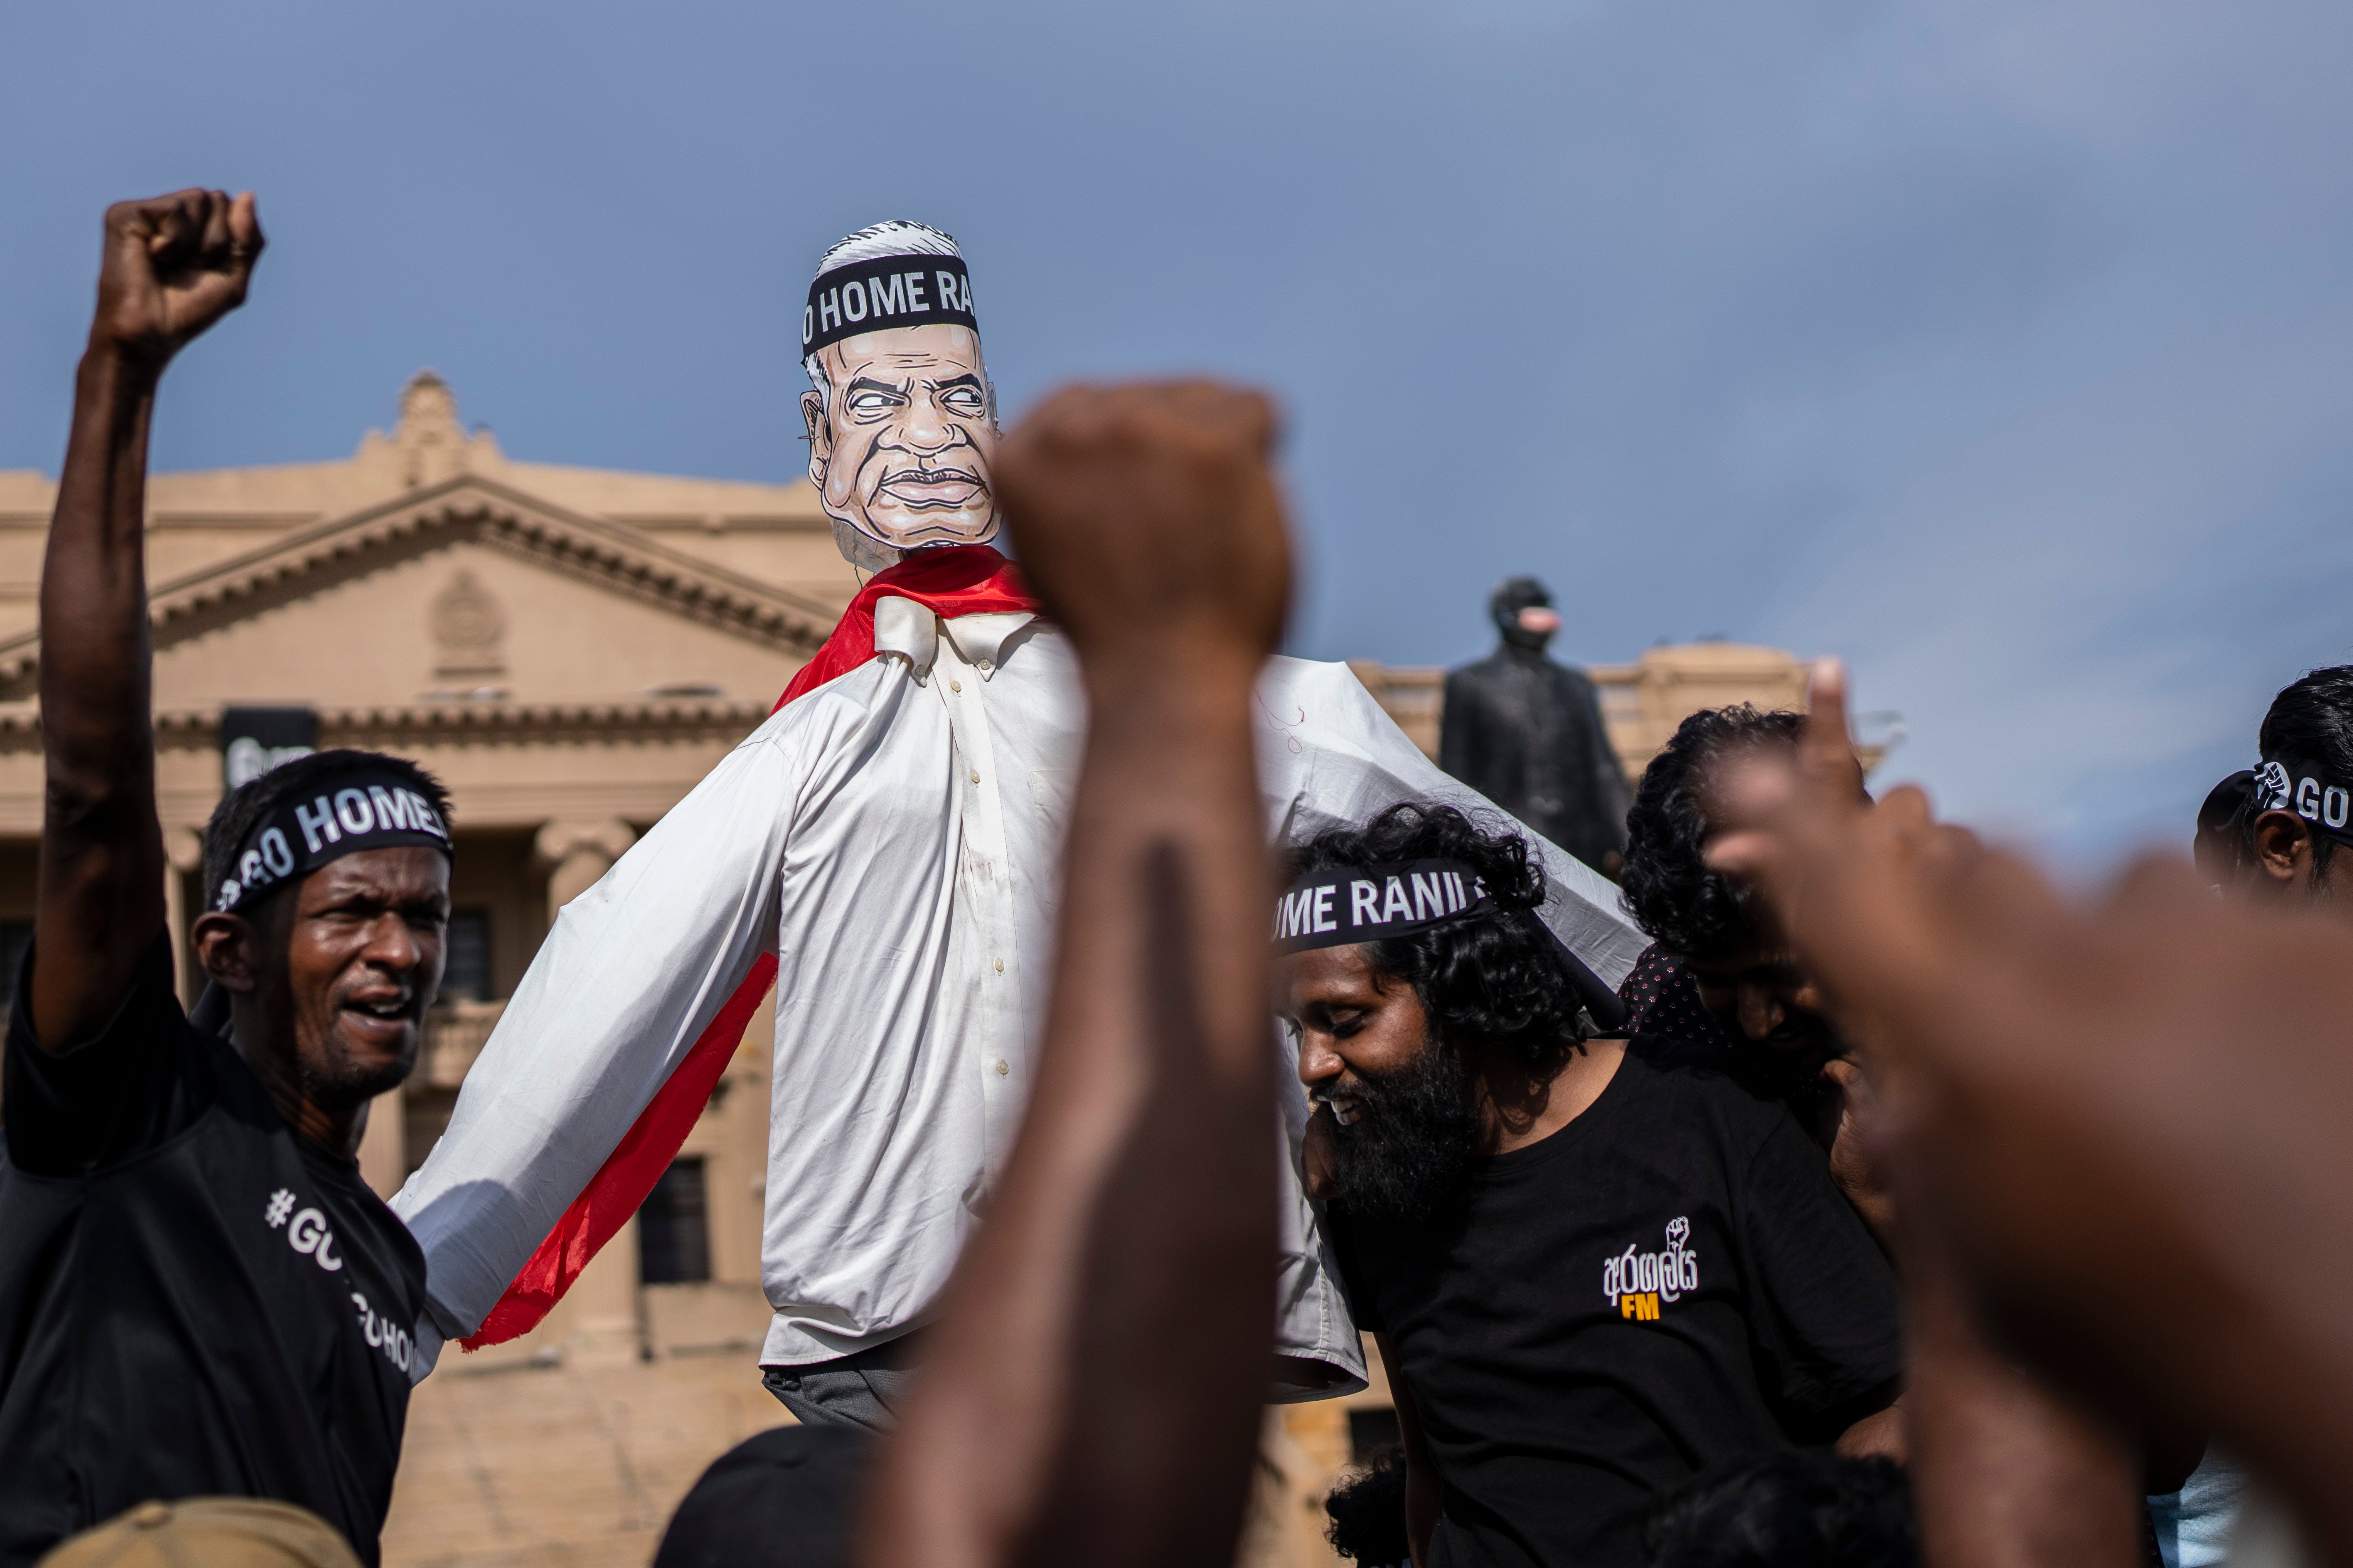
[{"x": 2003, "y": 346}]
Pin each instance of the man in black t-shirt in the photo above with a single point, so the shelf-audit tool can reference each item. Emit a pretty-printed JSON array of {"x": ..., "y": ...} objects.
[
  {"x": 1592, "y": 1272},
  {"x": 1717, "y": 945},
  {"x": 198, "y": 1295}
]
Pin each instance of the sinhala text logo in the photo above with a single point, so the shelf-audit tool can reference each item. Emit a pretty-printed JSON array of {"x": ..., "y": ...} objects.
[{"x": 1636, "y": 1282}]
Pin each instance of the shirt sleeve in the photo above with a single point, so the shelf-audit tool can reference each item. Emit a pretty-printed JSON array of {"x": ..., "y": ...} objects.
[
  {"x": 140, "y": 1080},
  {"x": 1330, "y": 757},
  {"x": 632, "y": 973},
  {"x": 1823, "y": 1306}
]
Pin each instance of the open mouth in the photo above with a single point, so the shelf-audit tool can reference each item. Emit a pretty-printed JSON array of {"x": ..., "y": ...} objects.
[
  {"x": 381, "y": 1014},
  {"x": 934, "y": 489},
  {"x": 1346, "y": 1108}
]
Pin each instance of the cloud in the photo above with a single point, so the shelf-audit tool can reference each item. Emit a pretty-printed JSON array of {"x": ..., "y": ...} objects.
[{"x": 1997, "y": 344}]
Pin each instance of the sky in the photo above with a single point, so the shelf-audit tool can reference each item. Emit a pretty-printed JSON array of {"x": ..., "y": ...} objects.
[{"x": 2001, "y": 347}]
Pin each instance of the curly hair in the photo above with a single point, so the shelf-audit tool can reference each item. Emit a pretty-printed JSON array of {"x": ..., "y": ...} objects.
[
  {"x": 1495, "y": 981},
  {"x": 1366, "y": 1510},
  {"x": 1669, "y": 890}
]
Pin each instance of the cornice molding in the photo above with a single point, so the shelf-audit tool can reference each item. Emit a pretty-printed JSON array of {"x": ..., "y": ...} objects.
[
  {"x": 443, "y": 724},
  {"x": 466, "y": 508}
]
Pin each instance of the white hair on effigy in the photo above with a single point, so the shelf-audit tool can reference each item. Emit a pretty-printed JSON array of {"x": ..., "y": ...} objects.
[{"x": 896, "y": 238}]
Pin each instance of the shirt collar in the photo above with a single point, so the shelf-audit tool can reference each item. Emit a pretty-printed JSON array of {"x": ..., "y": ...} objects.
[{"x": 911, "y": 631}]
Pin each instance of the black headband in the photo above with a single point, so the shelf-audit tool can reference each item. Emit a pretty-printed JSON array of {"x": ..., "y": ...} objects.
[
  {"x": 886, "y": 293},
  {"x": 1370, "y": 903},
  {"x": 343, "y": 814},
  {"x": 2289, "y": 783}
]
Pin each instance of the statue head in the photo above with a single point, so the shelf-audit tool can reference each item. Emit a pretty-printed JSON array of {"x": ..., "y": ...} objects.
[
  {"x": 1523, "y": 612},
  {"x": 901, "y": 418}
]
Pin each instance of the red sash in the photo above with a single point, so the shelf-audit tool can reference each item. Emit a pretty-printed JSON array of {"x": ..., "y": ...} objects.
[{"x": 956, "y": 580}]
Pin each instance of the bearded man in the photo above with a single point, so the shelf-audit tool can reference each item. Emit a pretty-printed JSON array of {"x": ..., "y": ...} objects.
[
  {"x": 1593, "y": 1270},
  {"x": 885, "y": 851}
]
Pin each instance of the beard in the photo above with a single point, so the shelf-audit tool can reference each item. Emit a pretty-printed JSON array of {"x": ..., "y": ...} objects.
[{"x": 1404, "y": 1158}]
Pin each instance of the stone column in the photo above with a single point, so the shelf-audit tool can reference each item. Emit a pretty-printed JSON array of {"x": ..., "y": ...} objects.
[
  {"x": 600, "y": 1317},
  {"x": 574, "y": 855}
]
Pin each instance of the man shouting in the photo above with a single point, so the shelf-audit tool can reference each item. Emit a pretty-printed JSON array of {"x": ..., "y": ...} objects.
[
  {"x": 884, "y": 849},
  {"x": 198, "y": 1294}
]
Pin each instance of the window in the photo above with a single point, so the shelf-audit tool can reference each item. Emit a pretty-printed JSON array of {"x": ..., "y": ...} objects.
[
  {"x": 465, "y": 972},
  {"x": 673, "y": 1237},
  {"x": 1371, "y": 1429}
]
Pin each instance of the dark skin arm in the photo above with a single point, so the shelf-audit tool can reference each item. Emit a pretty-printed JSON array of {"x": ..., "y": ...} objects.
[
  {"x": 173, "y": 266},
  {"x": 2117, "y": 1119},
  {"x": 1094, "y": 1397}
]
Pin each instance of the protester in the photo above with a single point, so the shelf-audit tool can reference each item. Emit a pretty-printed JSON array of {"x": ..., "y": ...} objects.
[
  {"x": 2272, "y": 831},
  {"x": 1741, "y": 971},
  {"x": 1807, "y": 1508},
  {"x": 2268, "y": 835},
  {"x": 1591, "y": 1274},
  {"x": 781, "y": 1499},
  {"x": 2122, "y": 1127},
  {"x": 199, "y": 1295},
  {"x": 207, "y": 1532},
  {"x": 885, "y": 847},
  {"x": 2033, "y": 1457},
  {"x": 1366, "y": 1512}
]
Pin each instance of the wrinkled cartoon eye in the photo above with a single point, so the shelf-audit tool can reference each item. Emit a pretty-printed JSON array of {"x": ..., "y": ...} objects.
[
  {"x": 869, "y": 403},
  {"x": 963, "y": 400}
]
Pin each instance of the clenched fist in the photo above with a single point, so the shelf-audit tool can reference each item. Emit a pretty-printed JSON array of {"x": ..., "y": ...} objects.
[
  {"x": 1147, "y": 517},
  {"x": 173, "y": 266}
]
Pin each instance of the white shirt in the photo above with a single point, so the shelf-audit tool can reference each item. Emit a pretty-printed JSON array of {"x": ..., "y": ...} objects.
[{"x": 894, "y": 837}]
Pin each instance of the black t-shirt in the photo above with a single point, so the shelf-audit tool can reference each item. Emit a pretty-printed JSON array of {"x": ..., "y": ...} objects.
[
  {"x": 194, "y": 1300},
  {"x": 1667, "y": 1282}
]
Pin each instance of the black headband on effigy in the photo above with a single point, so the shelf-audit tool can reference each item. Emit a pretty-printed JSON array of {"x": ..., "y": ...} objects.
[
  {"x": 342, "y": 814},
  {"x": 885, "y": 293},
  {"x": 1344, "y": 904}
]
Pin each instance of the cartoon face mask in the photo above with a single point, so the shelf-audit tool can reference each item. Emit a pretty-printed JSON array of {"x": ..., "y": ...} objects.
[{"x": 901, "y": 420}]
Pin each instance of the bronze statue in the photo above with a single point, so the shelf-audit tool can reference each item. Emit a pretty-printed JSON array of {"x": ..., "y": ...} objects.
[{"x": 1527, "y": 733}]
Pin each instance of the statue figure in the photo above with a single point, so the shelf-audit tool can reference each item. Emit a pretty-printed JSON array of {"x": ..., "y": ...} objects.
[{"x": 1527, "y": 733}]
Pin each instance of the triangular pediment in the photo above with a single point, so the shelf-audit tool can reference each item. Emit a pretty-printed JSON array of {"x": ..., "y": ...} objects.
[{"x": 470, "y": 595}]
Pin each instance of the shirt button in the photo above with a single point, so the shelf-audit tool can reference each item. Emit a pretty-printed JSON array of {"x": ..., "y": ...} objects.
[
  {"x": 984, "y": 666},
  {"x": 976, "y": 776},
  {"x": 1002, "y": 1069},
  {"x": 956, "y": 686},
  {"x": 1000, "y": 966}
]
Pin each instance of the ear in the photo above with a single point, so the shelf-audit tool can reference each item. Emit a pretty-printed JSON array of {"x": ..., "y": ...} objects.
[
  {"x": 821, "y": 438},
  {"x": 228, "y": 947},
  {"x": 2282, "y": 847}
]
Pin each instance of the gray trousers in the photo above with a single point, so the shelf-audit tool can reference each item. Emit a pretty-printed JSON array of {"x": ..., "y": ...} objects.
[{"x": 865, "y": 1390}]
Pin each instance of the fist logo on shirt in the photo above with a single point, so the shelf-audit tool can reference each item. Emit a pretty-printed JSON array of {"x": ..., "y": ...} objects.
[{"x": 1637, "y": 1282}]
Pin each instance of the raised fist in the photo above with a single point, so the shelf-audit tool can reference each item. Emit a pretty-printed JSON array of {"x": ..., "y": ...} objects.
[
  {"x": 173, "y": 266},
  {"x": 1146, "y": 516}
]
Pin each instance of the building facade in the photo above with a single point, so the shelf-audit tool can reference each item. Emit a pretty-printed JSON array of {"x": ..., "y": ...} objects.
[{"x": 570, "y": 649}]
